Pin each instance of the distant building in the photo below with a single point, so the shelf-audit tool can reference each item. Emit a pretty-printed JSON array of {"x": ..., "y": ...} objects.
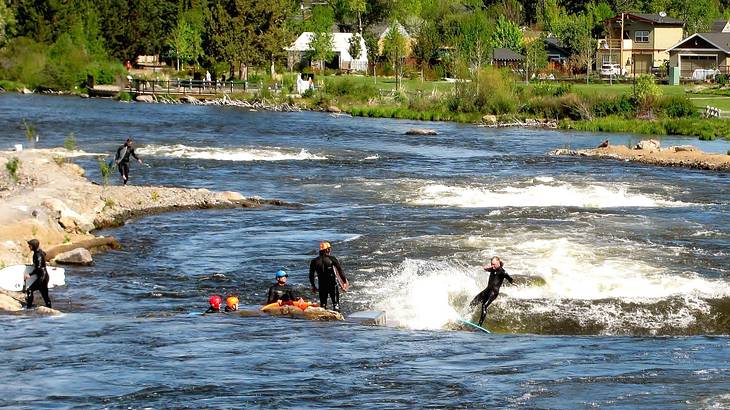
[
  {"x": 409, "y": 40},
  {"x": 504, "y": 57},
  {"x": 300, "y": 52},
  {"x": 557, "y": 54},
  {"x": 638, "y": 42},
  {"x": 701, "y": 51},
  {"x": 720, "y": 26}
]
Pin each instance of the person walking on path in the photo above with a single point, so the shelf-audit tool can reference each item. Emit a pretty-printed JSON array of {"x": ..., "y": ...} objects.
[
  {"x": 121, "y": 160},
  {"x": 40, "y": 273}
]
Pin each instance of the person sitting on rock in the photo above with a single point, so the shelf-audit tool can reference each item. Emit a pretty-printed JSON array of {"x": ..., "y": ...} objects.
[
  {"x": 121, "y": 159},
  {"x": 40, "y": 273},
  {"x": 281, "y": 291},
  {"x": 215, "y": 304},
  {"x": 231, "y": 304}
]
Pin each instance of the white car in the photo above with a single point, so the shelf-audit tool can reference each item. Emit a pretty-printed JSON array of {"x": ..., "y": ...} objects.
[{"x": 612, "y": 70}]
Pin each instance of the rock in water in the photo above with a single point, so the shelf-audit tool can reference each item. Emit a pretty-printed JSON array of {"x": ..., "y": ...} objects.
[
  {"x": 648, "y": 145},
  {"x": 490, "y": 119},
  {"x": 421, "y": 131},
  {"x": 78, "y": 256},
  {"x": 8, "y": 304},
  {"x": 334, "y": 109},
  {"x": 44, "y": 311},
  {"x": 144, "y": 98}
]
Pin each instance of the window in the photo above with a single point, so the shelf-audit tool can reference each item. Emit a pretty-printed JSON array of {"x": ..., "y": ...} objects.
[
  {"x": 608, "y": 59},
  {"x": 641, "y": 36}
]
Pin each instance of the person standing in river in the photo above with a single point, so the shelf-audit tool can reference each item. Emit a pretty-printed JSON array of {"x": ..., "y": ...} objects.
[
  {"x": 497, "y": 275},
  {"x": 121, "y": 160},
  {"x": 327, "y": 268},
  {"x": 41, "y": 274}
]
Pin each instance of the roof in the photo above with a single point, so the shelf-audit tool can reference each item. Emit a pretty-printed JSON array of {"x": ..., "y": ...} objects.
[
  {"x": 556, "y": 44},
  {"x": 718, "y": 26},
  {"x": 340, "y": 42},
  {"x": 653, "y": 18},
  {"x": 400, "y": 28},
  {"x": 719, "y": 40},
  {"x": 505, "y": 54}
]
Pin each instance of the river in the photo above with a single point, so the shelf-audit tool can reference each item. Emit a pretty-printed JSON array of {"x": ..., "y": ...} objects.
[{"x": 622, "y": 293}]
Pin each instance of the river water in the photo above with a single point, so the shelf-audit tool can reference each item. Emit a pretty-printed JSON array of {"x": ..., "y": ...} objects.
[{"x": 622, "y": 293}]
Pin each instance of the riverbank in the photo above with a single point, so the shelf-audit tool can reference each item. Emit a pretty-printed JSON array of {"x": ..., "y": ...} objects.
[
  {"x": 47, "y": 197},
  {"x": 678, "y": 156}
]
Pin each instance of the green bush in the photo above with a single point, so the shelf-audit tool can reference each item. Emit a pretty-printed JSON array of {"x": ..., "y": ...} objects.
[
  {"x": 124, "y": 96},
  {"x": 677, "y": 106},
  {"x": 348, "y": 87},
  {"x": 70, "y": 142},
  {"x": 13, "y": 165},
  {"x": 606, "y": 106},
  {"x": 490, "y": 91},
  {"x": 551, "y": 89}
]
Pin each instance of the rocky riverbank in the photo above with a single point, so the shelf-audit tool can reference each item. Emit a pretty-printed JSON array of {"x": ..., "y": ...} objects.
[
  {"x": 649, "y": 152},
  {"x": 44, "y": 195}
]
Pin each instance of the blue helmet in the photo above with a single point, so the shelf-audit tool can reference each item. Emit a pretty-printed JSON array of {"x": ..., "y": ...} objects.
[{"x": 281, "y": 274}]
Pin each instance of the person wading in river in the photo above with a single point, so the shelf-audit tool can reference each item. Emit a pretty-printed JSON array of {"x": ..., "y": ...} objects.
[
  {"x": 281, "y": 291},
  {"x": 324, "y": 267},
  {"x": 121, "y": 160},
  {"x": 41, "y": 274},
  {"x": 487, "y": 296}
]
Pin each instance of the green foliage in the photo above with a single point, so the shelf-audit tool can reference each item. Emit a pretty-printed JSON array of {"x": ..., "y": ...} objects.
[
  {"x": 125, "y": 96},
  {"x": 7, "y": 21},
  {"x": 705, "y": 129},
  {"x": 395, "y": 49},
  {"x": 471, "y": 34},
  {"x": 677, "y": 106},
  {"x": 322, "y": 39},
  {"x": 13, "y": 165},
  {"x": 70, "y": 142},
  {"x": 355, "y": 46},
  {"x": 31, "y": 134},
  {"x": 536, "y": 55},
  {"x": 553, "y": 89},
  {"x": 348, "y": 87},
  {"x": 105, "y": 170},
  {"x": 489, "y": 91},
  {"x": 507, "y": 35},
  {"x": 622, "y": 105},
  {"x": 646, "y": 93},
  {"x": 185, "y": 41}
]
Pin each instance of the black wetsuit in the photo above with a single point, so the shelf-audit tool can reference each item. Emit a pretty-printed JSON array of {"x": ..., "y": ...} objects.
[
  {"x": 41, "y": 282},
  {"x": 284, "y": 293},
  {"x": 324, "y": 266},
  {"x": 122, "y": 159},
  {"x": 487, "y": 296}
]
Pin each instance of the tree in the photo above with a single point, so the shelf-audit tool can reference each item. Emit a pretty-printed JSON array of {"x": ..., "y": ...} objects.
[
  {"x": 426, "y": 43},
  {"x": 185, "y": 42},
  {"x": 507, "y": 35},
  {"x": 270, "y": 27},
  {"x": 395, "y": 49},
  {"x": 471, "y": 34},
  {"x": 575, "y": 32},
  {"x": 355, "y": 46},
  {"x": 371, "y": 46},
  {"x": 536, "y": 57},
  {"x": 322, "y": 40},
  {"x": 7, "y": 20},
  {"x": 358, "y": 7}
]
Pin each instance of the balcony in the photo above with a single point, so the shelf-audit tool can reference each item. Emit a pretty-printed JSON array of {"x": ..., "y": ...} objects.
[{"x": 614, "y": 44}]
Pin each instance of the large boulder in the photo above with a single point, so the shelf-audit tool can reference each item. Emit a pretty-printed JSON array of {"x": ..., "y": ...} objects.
[
  {"x": 648, "y": 145},
  {"x": 144, "y": 98},
  {"x": 490, "y": 119},
  {"x": 421, "y": 131},
  {"x": 232, "y": 196},
  {"x": 9, "y": 304},
  {"x": 78, "y": 256},
  {"x": 334, "y": 109},
  {"x": 69, "y": 219}
]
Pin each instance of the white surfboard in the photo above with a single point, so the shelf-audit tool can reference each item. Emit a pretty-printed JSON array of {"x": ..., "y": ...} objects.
[{"x": 11, "y": 277}]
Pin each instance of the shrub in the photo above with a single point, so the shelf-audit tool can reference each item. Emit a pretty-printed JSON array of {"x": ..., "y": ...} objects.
[
  {"x": 124, "y": 96},
  {"x": 677, "y": 106},
  {"x": 606, "y": 106},
  {"x": 70, "y": 142},
  {"x": 105, "y": 170},
  {"x": 551, "y": 89},
  {"x": 13, "y": 165},
  {"x": 490, "y": 90},
  {"x": 646, "y": 93}
]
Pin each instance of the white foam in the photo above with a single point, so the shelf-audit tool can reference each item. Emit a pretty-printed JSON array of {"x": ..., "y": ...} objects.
[
  {"x": 372, "y": 157},
  {"x": 541, "y": 195},
  {"x": 241, "y": 154}
]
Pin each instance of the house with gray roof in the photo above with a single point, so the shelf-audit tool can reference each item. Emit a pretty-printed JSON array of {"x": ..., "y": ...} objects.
[{"x": 701, "y": 51}]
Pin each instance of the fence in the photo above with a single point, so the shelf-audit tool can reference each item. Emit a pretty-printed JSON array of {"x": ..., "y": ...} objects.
[{"x": 194, "y": 87}]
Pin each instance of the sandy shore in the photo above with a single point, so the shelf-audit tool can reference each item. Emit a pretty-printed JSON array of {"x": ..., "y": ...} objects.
[
  {"x": 52, "y": 201},
  {"x": 680, "y": 156}
]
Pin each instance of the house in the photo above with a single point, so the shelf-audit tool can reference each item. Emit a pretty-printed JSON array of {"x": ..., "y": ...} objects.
[
  {"x": 703, "y": 51},
  {"x": 557, "y": 54},
  {"x": 504, "y": 57},
  {"x": 720, "y": 26},
  {"x": 300, "y": 52},
  {"x": 639, "y": 42}
]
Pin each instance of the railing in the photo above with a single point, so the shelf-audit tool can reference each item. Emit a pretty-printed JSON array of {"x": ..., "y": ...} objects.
[
  {"x": 615, "y": 43},
  {"x": 195, "y": 87}
]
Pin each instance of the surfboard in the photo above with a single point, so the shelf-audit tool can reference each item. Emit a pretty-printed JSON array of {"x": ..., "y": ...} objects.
[
  {"x": 474, "y": 325},
  {"x": 339, "y": 279},
  {"x": 11, "y": 277}
]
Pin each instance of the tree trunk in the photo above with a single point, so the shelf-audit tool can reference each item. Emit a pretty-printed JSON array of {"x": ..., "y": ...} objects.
[
  {"x": 273, "y": 69},
  {"x": 178, "y": 64}
]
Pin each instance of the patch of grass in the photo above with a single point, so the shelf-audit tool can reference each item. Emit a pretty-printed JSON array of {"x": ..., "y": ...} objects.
[
  {"x": 108, "y": 204},
  {"x": 34, "y": 230},
  {"x": 70, "y": 142},
  {"x": 59, "y": 160},
  {"x": 125, "y": 96},
  {"x": 13, "y": 165},
  {"x": 155, "y": 196},
  {"x": 31, "y": 134},
  {"x": 705, "y": 129},
  {"x": 105, "y": 170},
  {"x": 9, "y": 85},
  {"x": 66, "y": 239}
]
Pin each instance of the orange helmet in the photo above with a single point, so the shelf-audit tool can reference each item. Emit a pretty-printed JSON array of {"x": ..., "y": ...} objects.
[
  {"x": 231, "y": 301},
  {"x": 324, "y": 246}
]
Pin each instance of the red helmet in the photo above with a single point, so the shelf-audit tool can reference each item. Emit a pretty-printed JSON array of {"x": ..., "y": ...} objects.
[{"x": 215, "y": 301}]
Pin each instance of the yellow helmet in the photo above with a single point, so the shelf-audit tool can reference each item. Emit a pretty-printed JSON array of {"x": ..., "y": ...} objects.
[
  {"x": 231, "y": 301},
  {"x": 324, "y": 246}
]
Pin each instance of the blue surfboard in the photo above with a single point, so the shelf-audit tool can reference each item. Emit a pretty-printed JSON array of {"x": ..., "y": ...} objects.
[{"x": 474, "y": 325}]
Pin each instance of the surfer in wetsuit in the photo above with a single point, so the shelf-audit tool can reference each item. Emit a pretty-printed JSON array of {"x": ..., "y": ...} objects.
[
  {"x": 215, "y": 304},
  {"x": 121, "y": 159},
  {"x": 324, "y": 267},
  {"x": 490, "y": 293},
  {"x": 41, "y": 274},
  {"x": 281, "y": 291}
]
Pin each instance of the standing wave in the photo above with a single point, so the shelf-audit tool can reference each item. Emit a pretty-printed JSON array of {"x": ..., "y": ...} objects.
[{"x": 243, "y": 154}]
